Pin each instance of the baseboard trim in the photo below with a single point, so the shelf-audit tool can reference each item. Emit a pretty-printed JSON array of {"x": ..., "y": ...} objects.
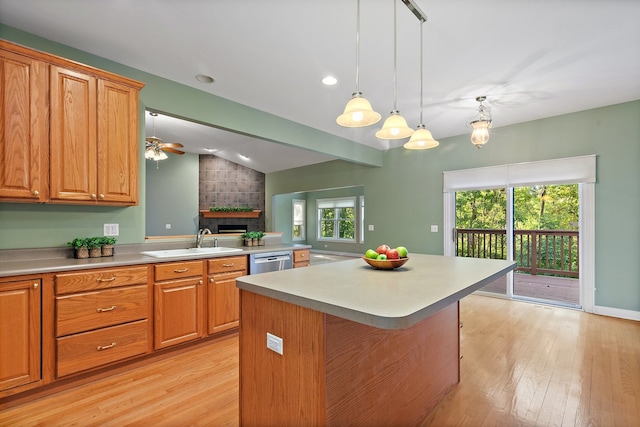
[{"x": 617, "y": 312}]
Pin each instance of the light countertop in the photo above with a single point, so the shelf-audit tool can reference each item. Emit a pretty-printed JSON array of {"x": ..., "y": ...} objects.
[{"x": 387, "y": 299}]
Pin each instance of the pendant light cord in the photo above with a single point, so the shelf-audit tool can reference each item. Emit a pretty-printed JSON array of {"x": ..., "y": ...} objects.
[
  {"x": 395, "y": 54},
  {"x": 357, "y": 46},
  {"x": 421, "y": 77}
]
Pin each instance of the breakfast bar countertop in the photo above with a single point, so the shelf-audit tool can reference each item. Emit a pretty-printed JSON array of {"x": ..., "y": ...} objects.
[{"x": 386, "y": 299}]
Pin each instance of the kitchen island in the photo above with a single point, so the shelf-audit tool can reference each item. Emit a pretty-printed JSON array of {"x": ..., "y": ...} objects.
[{"x": 351, "y": 345}]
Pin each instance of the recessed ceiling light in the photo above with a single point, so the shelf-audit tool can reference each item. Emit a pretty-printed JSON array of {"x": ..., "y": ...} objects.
[
  {"x": 202, "y": 78},
  {"x": 329, "y": 81}
]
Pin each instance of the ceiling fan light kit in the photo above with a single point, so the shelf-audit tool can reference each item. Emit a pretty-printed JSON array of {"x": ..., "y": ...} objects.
[{"x": 155, "y": 147}]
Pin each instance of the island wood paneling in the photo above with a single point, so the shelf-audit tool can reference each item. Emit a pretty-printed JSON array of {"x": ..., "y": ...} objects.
[
  {"x": 336, "y": 372},
  {"x": 280, "y": 390}
]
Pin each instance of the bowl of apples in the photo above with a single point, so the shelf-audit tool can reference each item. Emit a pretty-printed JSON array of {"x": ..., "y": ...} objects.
[{"x": 385, "y": 257}]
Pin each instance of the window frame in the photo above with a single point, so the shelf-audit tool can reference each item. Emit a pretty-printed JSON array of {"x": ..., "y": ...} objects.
[
  {"x": 337, "y": 203},
  {"x": 303, "y": 225}
]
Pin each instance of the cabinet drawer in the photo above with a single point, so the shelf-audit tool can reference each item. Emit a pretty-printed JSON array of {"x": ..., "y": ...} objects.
[
  {"x": 178, "y": 270},
  {"x": 91, "y": 349},
  {"x": 233, "y": 263},
  {"x": 100, "y": 279},
  {"x": 301, "y": 255},
  {"x": 93, "y": 310}
]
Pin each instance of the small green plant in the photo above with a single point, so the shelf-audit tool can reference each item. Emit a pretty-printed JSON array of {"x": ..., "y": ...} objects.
[
  {"x": 78, "y": 243},
  {"x": 93, "y": 242},
  {"x": 107, "y": 240},
  {"x": 231, "y": 209},
  {"x": 259, "y": 234}
]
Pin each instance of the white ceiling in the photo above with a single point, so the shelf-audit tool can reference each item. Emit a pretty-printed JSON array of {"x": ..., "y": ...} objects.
[{"x": 531, "y": 58}]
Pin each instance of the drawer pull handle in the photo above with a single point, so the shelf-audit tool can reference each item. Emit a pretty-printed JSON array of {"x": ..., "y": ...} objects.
[
  {"x": 110, "y": 279},
  {"x": 228, "y": 265},
  {"x": 183, "y": 270},
  {"x": 106, "y": 347},
  {"x": 102, "y": 310}
]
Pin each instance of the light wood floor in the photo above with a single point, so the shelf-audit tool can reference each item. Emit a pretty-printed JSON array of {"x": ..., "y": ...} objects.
[{"x": 523, "y": 365}]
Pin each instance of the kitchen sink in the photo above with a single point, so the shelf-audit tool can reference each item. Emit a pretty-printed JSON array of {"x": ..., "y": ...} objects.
[{"x": 189, "y": 252}]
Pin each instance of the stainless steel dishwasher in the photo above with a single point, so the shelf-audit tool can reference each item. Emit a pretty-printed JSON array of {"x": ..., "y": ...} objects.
[{"x": 270, "y": 261}]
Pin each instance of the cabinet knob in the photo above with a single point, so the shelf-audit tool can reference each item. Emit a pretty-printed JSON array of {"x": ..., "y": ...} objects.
[
  {"x": 101, "y": 196},
  {"x": 211, "y": 280},
  {"x": 35, "y": 193},
  {"x": 200, "y": 282},
  {"x": 93, "y": 195},
  {"x": 302, "y": 255},
  {"x": 35, "y": 285}
]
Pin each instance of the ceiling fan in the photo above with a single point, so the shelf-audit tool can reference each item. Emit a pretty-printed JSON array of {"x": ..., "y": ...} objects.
[{"x": 156, "y": 148}]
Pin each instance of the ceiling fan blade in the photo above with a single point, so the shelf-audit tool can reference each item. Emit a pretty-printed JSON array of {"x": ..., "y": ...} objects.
[
  {"x": 172, "y": 150},
  {"x": 172, "y": 144}
]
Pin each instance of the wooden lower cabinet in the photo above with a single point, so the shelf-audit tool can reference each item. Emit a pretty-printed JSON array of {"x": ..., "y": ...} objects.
[
  {"x": 20, "y": 327},
  {"x": 178, "y": 303},
  {"x": 223, "y": 297},
  {"x": 101, "y": 316},
  {"x": 301, "y": 258}
]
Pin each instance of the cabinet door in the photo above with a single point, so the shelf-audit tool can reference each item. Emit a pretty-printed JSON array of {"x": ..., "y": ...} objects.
[
  {"x": 24, "y": 128},
  {"x": 19, "y": 333},
  {"x": 117, "y": 143},
  {"x": 223, "y": 301},
  {"x": 73, "y": 136},
  {"x": 178, "y": 311}
]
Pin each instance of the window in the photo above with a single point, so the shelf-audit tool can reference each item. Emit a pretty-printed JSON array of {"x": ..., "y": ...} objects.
[
  {"x": 299, "y": 215},
  {"x": 361, "y": 219},
  {"x": 337, "y": 219}
]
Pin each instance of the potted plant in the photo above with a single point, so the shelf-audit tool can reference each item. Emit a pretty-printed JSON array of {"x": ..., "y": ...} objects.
[
  {"x": 80, "y": 248},
  {"x": 107, "y": 243},
  {"x": 246, "y": 238},
  {"x": 260, "y": 238},
  {"x": 95, "y": 246}
]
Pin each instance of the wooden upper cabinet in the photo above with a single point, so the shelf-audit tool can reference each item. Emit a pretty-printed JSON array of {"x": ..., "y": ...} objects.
[
  {"x": 73, "y": 136},
  {"x": 69, "y": 131},
  {"x": 23, "y": 128}
]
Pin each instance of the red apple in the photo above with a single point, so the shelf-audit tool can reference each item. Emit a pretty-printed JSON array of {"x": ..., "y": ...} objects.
[
  {"x": 393, "y": 254},
  {"x": 382, "y": 249}
]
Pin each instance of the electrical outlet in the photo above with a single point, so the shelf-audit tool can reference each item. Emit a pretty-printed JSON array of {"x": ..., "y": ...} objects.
[
  {"x": 371, "y": 227},
  {"x": 274, "y": 343},
  {"x": 434, "y": 228},
  {"x": 167, "y": 226},
  {"x": 111, "y": 230}
]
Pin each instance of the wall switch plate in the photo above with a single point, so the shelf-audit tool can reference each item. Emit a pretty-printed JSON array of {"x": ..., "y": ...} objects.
[
  {"x": 434, "y": 228},
  {"x": 274, "y": 343},
  {"x": 167, "y": 226},
  {"x": 371, "y": 227},
  {"x": 111, "y": 230}
]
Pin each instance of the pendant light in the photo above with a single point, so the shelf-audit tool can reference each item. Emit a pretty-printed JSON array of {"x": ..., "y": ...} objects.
[
  {"x": 395, "y": 126},
  {"x": 358, "y": 112},
  {"x": 421, "y": 138},
  {"x": 481, "y": 124}
]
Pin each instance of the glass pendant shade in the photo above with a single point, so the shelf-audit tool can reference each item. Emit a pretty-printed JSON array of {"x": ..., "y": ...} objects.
[
  {"x": 421, "y": 140},
  {"x": 480, "y": 134},
  {"x": 394, "y": 127},
  {"x": 155, "y": 153},
  {"x": 358, "y": 113}
]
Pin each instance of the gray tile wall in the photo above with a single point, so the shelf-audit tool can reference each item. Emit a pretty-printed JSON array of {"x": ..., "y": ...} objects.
[{"x": 224, "y": 183}]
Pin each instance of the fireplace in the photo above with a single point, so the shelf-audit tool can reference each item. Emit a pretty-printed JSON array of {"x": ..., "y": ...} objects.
[{"x": 232, "y": 228}]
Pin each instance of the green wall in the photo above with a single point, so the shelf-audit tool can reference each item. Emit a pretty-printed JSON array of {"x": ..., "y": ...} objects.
[
  {"x": 172, "y": 196},
  {"x": 404, "y": 197}
]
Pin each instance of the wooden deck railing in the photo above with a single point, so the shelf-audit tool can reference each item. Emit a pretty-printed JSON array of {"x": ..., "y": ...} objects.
[{"x": 553, "y": 252}]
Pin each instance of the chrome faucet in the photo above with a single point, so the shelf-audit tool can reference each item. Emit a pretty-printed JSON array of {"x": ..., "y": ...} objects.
[
  {"x": 215, "y": 242},
  {"x": 200, "y": 236}
]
